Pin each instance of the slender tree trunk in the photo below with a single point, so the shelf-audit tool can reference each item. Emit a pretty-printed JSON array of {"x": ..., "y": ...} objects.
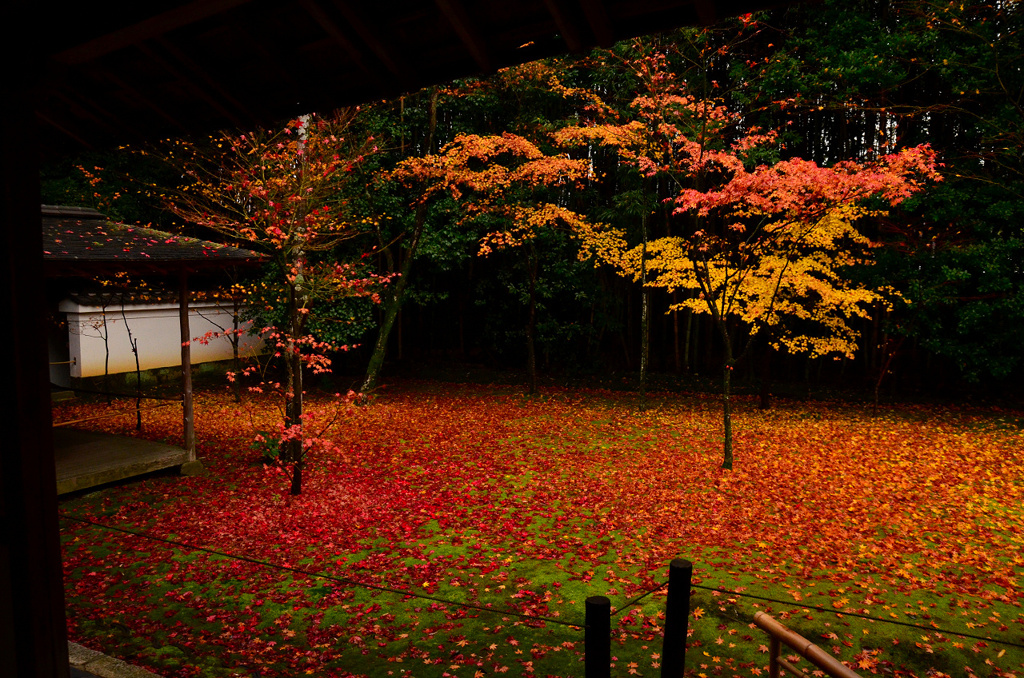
[
  {"x": 645, "y": 317},
  {"x": 398, "y": 334},
  {"x": 106, "y": 354},
  {"x": 188, "y": 413},
  {"x": 890, "y": 353},
  {"x": 872, "y": 355},
  {"x": 297, "y": 305},
  {"x": 236, "y": 363},
  {"x": 296, "y": 419},
  {"x": 727, "y": 409},
  {"x": 728, "y": 363},
  {"x": 531, "y": 320},
  {"x": 708, "y": 347},
  {"x": 134, "y": 343},
  {"x": 394, "y": 304},
  {"x": 765, "y": 401},
  {"x": 675, "y": 336},
  {"x": 380, "y": 347},
  {"x": 690, "y": 357},
  {"x": 293, "y": 448}
]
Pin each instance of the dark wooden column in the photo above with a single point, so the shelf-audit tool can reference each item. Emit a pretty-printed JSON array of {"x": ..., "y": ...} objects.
[{"x": 33, "y": 633}]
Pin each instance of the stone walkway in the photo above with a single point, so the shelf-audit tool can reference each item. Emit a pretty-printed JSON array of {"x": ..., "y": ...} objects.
[{"x": 86, "y": 663}]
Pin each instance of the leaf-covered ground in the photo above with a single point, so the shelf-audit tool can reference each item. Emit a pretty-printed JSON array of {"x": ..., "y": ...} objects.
[{"x": 477, "y": 494}]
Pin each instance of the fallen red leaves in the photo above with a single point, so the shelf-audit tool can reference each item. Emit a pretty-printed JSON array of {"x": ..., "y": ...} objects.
[{"x": 479, "y": 495}]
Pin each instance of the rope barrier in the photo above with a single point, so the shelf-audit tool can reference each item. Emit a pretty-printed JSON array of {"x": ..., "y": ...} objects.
[
  {"x": 114, "y": 395},
  {"x": 134, "y": 410},
  {"x": 638, "y": 599},
  {"x": 511, "y": 613},
  {"x": 320, "y": 575},
  {"x": 931, "y": 629}
]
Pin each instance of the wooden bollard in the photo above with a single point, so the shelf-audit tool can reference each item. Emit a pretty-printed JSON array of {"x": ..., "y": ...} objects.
[
  {"x": 597, "y": 638},
  {"x": 677, "y": 618}
]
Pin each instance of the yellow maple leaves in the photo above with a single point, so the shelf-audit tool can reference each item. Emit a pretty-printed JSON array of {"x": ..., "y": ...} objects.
[{"x": 793, "y": 271}]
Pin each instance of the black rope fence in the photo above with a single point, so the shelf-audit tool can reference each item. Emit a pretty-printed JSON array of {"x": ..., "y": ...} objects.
[
  {"x": 597, "y": 623},
  {"x": 838, "y": 613},
  {"x": 113, "y": 394},
  {"x": 134, "y": 410},
  {"x": 321, "y": 575},
  {"x": 636, "y": 600},
  {"x": 512, "y": 613},
  {"x": 165, "y": 401}
]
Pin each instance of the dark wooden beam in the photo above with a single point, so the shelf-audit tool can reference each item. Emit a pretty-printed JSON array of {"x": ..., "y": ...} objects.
[
  {"x": 203, "y": 74},
  {"x": 706, "y": 13},
  {"x": 336, "y": 34},
  {"x": 137, "y": 96},
  {"x": 146, "y": 30},
  {"x": 372, "y": 40},
  {"x": 566, "y": 28},
  {"x": 270, "y": 64},
  {"x": 84, "y": 117},
  {"x": 600, "y": 24},
  {"x": 90, "y": 110},
  {"x": 189, "y": 83},
  {"x": 63, "y": 129},
  {"x": 456, "y": 15}
]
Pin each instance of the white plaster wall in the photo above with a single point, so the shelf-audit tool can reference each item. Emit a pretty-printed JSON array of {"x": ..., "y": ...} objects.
[{"x": 156, "y": 329}]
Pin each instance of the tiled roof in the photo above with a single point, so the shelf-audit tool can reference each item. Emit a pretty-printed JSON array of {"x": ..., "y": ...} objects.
[{"x": 80, "y": 241}]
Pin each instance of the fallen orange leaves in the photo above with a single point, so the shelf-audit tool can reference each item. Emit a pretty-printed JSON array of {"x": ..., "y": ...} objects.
[{"x": 458, "y": 487}]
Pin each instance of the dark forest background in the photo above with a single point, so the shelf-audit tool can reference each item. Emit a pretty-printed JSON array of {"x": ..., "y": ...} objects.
[{"x": 839, "y": 80}]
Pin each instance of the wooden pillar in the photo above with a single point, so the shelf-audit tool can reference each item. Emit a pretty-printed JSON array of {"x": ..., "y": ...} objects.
[
  {"x": 187, "y": 412},
  {"x": 33, "y": 632}
]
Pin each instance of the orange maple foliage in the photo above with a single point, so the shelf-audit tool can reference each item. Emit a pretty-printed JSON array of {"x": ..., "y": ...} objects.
[{"x": 499, "y": 176}]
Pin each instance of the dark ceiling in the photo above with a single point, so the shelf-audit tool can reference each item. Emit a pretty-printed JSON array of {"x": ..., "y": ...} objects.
[{"x": 164, "y": 68}]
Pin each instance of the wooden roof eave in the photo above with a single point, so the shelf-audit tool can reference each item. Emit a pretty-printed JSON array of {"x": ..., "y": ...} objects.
[{"x": 57, "y": 268}]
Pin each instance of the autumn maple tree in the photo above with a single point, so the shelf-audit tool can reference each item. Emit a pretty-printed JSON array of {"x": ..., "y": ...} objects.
[
  {"x": 510, "y": 183},
  {"x": 283, "y": 192},
  {"x": 765, "y": 241}
]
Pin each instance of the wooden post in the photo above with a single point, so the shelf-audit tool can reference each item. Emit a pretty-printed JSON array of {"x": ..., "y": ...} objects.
[
  {"x": 33, "y": 629},
  {"x": 774, "y": 648},
  {"x": 677, "y": 618},
  {"x": 192, "y": 465},
  {"x": 597, "y": 638}
]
